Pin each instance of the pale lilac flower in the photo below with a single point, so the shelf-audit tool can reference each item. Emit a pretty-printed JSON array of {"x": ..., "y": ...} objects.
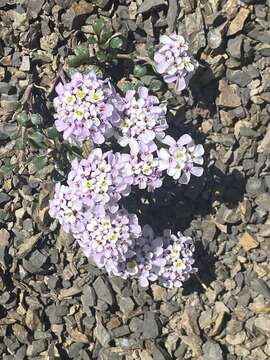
[
  {"x": 174, "y": 62},
  {"x": 181, "y": 158},
  {"x": 95, "y": 186},
  {"x": 67, "y": 208},
  {"x": 167, "y": 259},
  {"x": 141, "y": 170},
  {"x": 179, "y": 261},
  {"x": 143, "y": 120},
  {"x": 84, "y": 109},
  {"x": 109, "y": 239}
]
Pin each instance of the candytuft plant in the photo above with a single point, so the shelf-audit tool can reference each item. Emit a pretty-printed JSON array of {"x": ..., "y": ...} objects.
[{"x": 130, "y": 149}]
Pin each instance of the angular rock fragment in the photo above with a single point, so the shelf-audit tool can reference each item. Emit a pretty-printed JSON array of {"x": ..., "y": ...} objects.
[{"x": 248, "y": 242}]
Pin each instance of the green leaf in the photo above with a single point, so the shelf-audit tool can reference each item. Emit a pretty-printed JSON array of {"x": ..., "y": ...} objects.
[
  {"x": 82, "y": 51},
  {"x": 37, "y": 139},
  {"x": 151, "y": 52},
  {"x": 71, "y": 71},
  {"x": 98, "y": 26},
  {"x": 139, "y": 70},
  {"x": 36, "y": 119},
  {"x": 105, "y": 35},
  {"x": 155, "y": 85},
  {"x": 7, "y": 169},
  {"x": 23, "y": 118},
  {"x": 116, "y": 43},
  {"x": 40, "y": 162},
  {"x": 57, "y": 176},
  {"x": 52, "y": 133},
  {"x": 127, "y": 85},
  {"x": 92, "y": 39},
  {"x": 102, "y": 56},
  {"x": 74, "y": 149},
  {"x": 75, "y": 60}
]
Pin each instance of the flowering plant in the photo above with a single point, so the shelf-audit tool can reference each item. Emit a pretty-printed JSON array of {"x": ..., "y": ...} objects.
[{"x": 89, "y": 205}]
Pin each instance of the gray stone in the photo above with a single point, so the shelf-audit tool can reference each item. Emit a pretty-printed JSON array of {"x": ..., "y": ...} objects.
[
  {"x": 117, "y": 284},
  {"x": 263, "y": 201},
  {"x": 195, "y": 30},
  {"x": 151, "y": 325},
  {"x": 76, "y": 14},
  {"x": 104, "y": 291},
  {"x": 38, "y": 259},
  {"x": 136, "y": 325},
  {"x": 214, "y": 38},
  {"x": 4, "y": 198},
  {"x": 226, "y": 215},
  {"x": 39, "y": 346},
  {"x": 101, "y": 333},
  {"x": 89, "y": 297},
  {"x": 74, "y": 349},
  {"x": 128, "y": 343},
  {"x": 34, "y": 7},
  {"x": 148, "y": 5},
  {"x": 248, "y": 132},
  {"x": 160, "y": 353},
  {"x": 239, "y": 77},
  {"x": 20, "y": 354},
  {"x": 126, "y": 304},
  {"x": 262, "y": 323},
  {"x": 4, "y": 87},
  {"x": 172, "y": 14},
  {"x": 255, "y": 186},
  {"x": 261, "y": 36},
  {"x": 261, "y": 287},
  {"x": 120, "y": 331},
  {"x": 209, "y": 230},
  {"x": 212, "y": 351},
  {"x": 234, "y": 47},
  {"x": 234, "y": 326}
]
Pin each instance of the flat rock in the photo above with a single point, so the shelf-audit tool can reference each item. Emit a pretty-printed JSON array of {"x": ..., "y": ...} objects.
[
  {"x": 262, "y": 323},
  {"x": 234, "y": 47},
  {"x": 263, "y": 201},
  {"x": 148, "y": 5},
  {"x": 265, "y": 144},
  {"x": 239, "y": 77},
  {"x": 102, "y": 334},
  {"x": 229, "y": 95},
  {"x": 248, "y": 242},
  {"x": 238, "y": 22},
  {"x": 159, "y": 353},
  {"x": 195, "y": 30},
  {"x": 4, "y": 198},
  {"x": 104, "y": 291},
  {"x": 212, "y": 351},
  {"x": 126, "y": 304},
  {"x": 75, "y": 15},
  {"x": 89, "y": 297},
  {"x": 34, "y": 7},
  {"x": 255, "y": 186},
  {"x": 151, "y": 325}
]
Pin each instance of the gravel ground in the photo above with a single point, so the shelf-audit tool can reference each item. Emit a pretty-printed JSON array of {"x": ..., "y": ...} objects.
[{"x": 54, "y": 304}]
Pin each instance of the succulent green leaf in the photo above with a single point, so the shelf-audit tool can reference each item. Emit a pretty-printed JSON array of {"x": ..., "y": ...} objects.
[
  {"x": 23, "y": 118},
  {"x": 116, "y": 43},
  {"x": 98, "y": 26},
  {"x": 36, "y": 119}
]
